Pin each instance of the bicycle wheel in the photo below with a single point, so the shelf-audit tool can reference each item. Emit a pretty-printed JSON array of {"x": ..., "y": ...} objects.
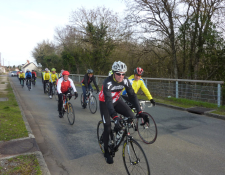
[
  {"x": 70, "y": 113},
  {"x": 147, "y": 132},
  {"x": 93, "y": 104},
  {"x": 134, "y": 158},
  {"x": 82, "y": 99},
  {"x": 100, "y": 130},
  {"x": 55, "y": 93}
]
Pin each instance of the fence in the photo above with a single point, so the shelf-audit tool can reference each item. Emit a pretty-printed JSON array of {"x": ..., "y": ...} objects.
[{"x": 201, "y": 90}]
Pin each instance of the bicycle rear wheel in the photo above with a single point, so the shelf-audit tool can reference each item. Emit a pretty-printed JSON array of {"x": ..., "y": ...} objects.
[
  {"x": 93, "y": 104},
  {"x": 134, "y": 158},
  {"x": 70, "y": 113},
  {"x": 147, "y": 132}
]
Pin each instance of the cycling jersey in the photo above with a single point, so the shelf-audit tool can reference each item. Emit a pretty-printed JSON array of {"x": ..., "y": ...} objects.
[
  {"x": 111, "y": 91},
  {"x": 87, "y": 80},
  {"x": 34, "y": 74},
  {"x": 53, "y": 77},
  {"x": 136, "y": 85},
  {"x": 28, "y": 75},
  {"x": 47, "y": 76},
  {"x": 22, "y": 75},
  {"x": 63, "y": 86}
]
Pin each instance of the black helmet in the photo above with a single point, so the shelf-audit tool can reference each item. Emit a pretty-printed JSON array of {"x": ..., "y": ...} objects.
[{"x": 90, "y": 71}]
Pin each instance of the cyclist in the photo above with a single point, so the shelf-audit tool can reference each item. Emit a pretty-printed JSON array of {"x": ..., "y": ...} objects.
[
  {"x": 21, "y": 76},
  {"x": 86, "y": 84},
  {"x": 60, "y": 74},
  {"x": 64, "y": 87},
  {"x": 137, "y": 83},
  {"x": 111, "y": 103},
  {"x": 28, "y": 76},
  {"x": 53, "y": 78},
  {"x": 34, "y": 75},
  {"x": 46, "y": 78}
]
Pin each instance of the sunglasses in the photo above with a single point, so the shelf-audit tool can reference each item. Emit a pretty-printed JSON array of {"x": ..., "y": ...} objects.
[
  {"x": 91, "y": 74},
  {"x": 120, "y": 74}
]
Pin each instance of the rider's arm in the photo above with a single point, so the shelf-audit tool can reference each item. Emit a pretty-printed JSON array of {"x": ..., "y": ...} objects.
[
  {"x": 95, "y": 83},
  {"x": 35, "y": 74},
  {"x": 25, "y": 75},
  {"x": 132, "y": 96},
  {"x": 72, "y": 85},
  {"x": 145, "y": 90},
  {"x": 59, "y": 86}
]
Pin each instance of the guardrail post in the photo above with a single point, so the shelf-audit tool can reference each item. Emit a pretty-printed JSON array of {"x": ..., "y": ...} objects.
[
  {"x": 218, "y": 94},
  {"x": 79, "y": 78},
  {"x": 97, "y": 80},
  {"x": 176, "y": 89}
]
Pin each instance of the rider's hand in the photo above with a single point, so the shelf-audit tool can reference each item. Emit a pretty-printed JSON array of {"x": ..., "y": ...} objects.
[
  {"x": 118, "y": 124},
  {"x": 153, "y": 102},
  {"x": 144, "y": 116},
  {"x": 76, "y": 94}
]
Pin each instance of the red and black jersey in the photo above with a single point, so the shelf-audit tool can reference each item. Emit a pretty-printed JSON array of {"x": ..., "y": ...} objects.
[{"x": 111, "y": 91}]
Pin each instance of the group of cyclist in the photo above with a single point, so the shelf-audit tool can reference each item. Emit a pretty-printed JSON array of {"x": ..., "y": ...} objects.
[
  {"x": 26, "y": 76},
  {"x": 115, "y": 87}
]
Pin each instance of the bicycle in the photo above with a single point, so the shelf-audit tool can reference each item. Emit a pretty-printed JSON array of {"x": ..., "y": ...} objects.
[
  {"x": 47, "y": 88},
  {"x": 29, "y": 84},
  {"x": 33, "y": 81},
  {"x": 22, "y": 82},
  {"x": 54, "y": 91},
  {"x": 148, "y": 132},
  {"x": 132, "y": 152},
  {"x": 91, "y": 101},
  {"x": 68, "y": 108}
]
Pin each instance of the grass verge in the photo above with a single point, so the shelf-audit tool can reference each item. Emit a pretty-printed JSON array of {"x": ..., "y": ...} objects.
[
  {"x": 24, "y": 164},
  {"x": 11, "y": 122}
]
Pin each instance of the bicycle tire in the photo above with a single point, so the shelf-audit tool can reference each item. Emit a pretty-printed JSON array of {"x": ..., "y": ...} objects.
[
  {"x": 148, "y": 132},
  {"x": 137, "y": 156},
  {"x": 92, "y": 101},
  {"x": 81, "y": 99},
  {"x": 70, "y": 111},
  {"x": 100, "y": 130}
]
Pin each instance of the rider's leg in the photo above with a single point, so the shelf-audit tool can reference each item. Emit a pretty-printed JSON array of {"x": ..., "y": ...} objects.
[
  {"x": 90, "y": 87},
  {"x": 122, "y": 108},
  {"x": 60, "y": 103},
  {"x": 84, "y": 96},
  {"x": 50, "y": 91},
  {"x": 107, "y": 129}
]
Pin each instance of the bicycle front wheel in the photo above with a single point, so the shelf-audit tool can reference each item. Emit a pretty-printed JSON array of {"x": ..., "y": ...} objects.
[
  {"x": 100, "y": 130},
  {"x": 147, "y": 132},
  {"x": 82, "y": 99},
  {"x": 93, "y": 104},
  {"x": 70, "y": 113},
  {"x": 134, "y": 158}
]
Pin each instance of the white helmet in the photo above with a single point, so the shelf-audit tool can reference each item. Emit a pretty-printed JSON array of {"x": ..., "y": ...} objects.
[
  {"x": 46, "y": 69},
  {"x": 28, "y": 70},
  {"x": 119, "y": 66}
]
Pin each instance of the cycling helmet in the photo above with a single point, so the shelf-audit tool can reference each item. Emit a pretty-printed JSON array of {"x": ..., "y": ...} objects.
[
  {"x": 32, "y": 70},
  {"x": 90, "y": 71},
  {"x": 119, "y": 67},
  {"x": 28, "y": 70},
  {"x": 46, "y": 69},
  {"x": 65, "y": 73},
  {"x": 21, "y": 71},
  {"x": 138, "y": 71},
  {"x": 53, "y": 69}
]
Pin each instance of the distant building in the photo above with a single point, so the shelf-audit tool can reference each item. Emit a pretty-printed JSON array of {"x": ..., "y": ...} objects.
[
  {"x": 2, "y": 69},
  {"x": 31, "y": 66}
]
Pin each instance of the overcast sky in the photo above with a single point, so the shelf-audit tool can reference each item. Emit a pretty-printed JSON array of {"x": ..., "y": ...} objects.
[{"x": 24, "y": 23}]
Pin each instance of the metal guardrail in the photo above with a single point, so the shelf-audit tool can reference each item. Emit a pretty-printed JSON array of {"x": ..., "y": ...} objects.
[{"x": 201, "y": 90}]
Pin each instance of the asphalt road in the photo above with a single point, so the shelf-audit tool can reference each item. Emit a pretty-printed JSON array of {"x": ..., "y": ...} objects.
[{"x": 187, "y": 144}]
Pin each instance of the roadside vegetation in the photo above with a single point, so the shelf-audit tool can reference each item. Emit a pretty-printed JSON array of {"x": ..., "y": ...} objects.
[
  {"x": 24, "y": 164},
  {"x": 11, "y": 122}
]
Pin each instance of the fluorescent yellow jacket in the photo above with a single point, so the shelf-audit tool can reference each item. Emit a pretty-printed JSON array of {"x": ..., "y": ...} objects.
[
  {"x": 47, "y": 76},
  {"x": 22, "y": 75},
  {"x": 136, "y": 85},
  {"x": 53, "y": 77}
]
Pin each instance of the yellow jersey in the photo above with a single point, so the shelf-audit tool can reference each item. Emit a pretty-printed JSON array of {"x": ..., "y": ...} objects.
[
  {"x": 136, "y": 85},
  {"x": 22, "y": 75},
  {"x": 53, "y": 77},
  {"x": 47, "y": 76}
]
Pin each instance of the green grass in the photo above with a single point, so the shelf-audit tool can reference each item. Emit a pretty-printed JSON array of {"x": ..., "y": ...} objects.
[
  {"x": 11, "y": 122},
  {"x": 25, "y": 164}
]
